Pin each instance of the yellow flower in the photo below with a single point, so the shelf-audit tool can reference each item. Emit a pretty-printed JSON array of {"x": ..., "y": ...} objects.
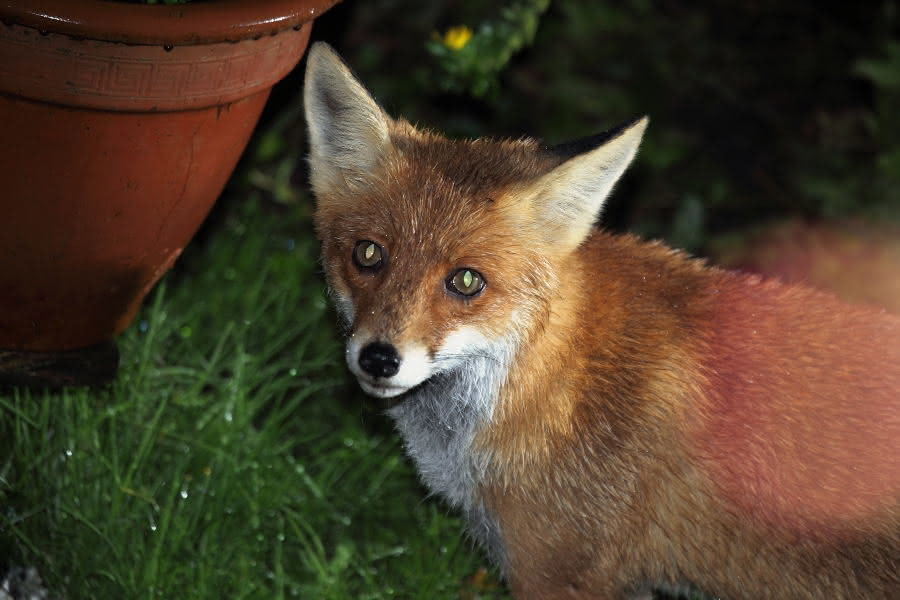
[{"x": 457, "y": 37}]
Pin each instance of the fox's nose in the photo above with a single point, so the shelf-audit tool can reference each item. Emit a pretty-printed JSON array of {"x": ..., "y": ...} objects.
[{"x": 379, "y": 360}]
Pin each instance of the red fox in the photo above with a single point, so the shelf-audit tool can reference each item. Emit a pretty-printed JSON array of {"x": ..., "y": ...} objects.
[{"x": 611, "y": 416}]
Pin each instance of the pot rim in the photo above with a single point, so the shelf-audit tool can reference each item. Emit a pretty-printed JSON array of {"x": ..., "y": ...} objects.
[{"x": 179, "y": 24}]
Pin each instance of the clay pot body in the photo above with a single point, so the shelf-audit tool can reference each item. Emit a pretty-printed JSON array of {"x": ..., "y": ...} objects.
[{"x": 119, "y": 126}]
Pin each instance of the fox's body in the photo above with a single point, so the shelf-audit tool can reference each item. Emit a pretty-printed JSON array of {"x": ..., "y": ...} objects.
[{"x": 610, "y": 415}]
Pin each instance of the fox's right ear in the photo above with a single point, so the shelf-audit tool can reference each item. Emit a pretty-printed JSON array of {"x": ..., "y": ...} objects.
[
  {"x": 569, "y": 198},
  {"x": 348, "y": 131}
]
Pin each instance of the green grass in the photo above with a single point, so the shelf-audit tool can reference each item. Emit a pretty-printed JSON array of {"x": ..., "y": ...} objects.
[{"x": 231, "y": 459}]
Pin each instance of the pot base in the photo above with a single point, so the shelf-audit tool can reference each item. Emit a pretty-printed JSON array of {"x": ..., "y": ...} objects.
[{"x": 92, "y": 366}]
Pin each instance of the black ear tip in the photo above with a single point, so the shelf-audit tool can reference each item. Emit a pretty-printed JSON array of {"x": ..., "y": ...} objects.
[
  {"x": 571, "y": 149},
  {"x": 615, "y": 132}
]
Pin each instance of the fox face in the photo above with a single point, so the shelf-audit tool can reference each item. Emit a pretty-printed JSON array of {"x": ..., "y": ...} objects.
[
  {"x": 413, "y": 225},
  {"x": 415, "y": 277}
]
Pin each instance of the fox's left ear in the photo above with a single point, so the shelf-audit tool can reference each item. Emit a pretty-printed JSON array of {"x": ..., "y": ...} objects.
[
  {"x": 569, "y": 198},
  {"x": 348, "y": 131}
]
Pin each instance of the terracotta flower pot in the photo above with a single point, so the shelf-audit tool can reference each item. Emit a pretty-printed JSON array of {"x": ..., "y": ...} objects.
[{"x": 119, "y": 126}]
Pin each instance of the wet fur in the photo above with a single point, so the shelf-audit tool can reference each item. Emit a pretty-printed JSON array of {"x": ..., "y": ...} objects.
[{"x": 635, "y": 419}]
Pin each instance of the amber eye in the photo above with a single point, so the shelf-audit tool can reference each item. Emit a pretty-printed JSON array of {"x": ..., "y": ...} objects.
[
  {"x": 368, "y": 255},
  {"x": 466, "y": 282}
]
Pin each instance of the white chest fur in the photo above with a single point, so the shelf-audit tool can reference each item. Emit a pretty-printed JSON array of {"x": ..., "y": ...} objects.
[{"x": 439, "y": 421}]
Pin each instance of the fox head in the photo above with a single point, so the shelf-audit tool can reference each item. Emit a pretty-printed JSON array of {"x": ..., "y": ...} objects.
[{"x": 438, "y": 252}]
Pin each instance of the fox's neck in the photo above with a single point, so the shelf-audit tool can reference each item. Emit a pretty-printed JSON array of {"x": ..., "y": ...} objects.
[
  {"x": 536, "y": 401},
  {"x": 600, "y": 341},
  {"x": 438, "y": 423},
  {"x": 439, "y": 420}
]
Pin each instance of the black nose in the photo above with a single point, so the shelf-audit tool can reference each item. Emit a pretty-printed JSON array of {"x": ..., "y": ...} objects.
[{"x": 379, "y": 360}]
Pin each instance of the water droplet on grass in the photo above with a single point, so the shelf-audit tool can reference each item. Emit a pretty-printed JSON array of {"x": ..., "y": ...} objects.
[
  {"x": 293, "y": 372},
  {"x": 184, "y": 493}
]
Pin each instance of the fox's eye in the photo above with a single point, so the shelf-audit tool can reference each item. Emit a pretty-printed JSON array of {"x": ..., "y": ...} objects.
[
  {"x": 466, "y": 282},
  {"x": 368, "y": 255}
]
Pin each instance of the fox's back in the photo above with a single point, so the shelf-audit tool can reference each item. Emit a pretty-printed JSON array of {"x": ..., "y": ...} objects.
[{"x": 800, "y": 418}]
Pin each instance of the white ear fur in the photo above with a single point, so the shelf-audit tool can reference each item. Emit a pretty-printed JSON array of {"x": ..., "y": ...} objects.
[
  {"x": 569, "y": 198},
  {"x": 348, "y": 131}
]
